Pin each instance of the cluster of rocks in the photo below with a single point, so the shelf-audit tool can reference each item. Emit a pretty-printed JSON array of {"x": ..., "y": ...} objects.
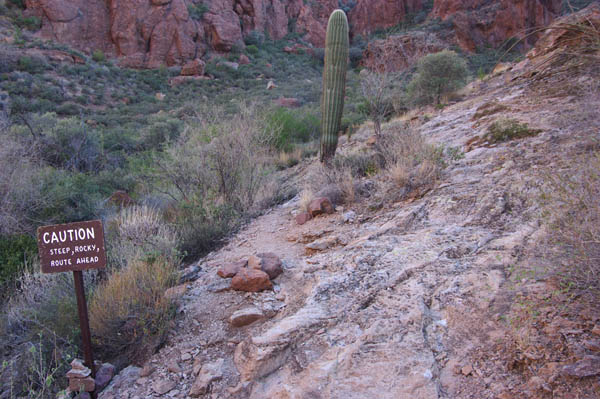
[
  {"x": 81, "y": 380},
  {"x": 254, "y": 273},
  {"x": 316, "y": 207}
]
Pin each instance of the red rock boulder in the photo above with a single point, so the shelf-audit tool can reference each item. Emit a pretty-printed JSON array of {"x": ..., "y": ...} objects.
[
  {"x": 303, "y": 217},
  {"x": 319, "y": 206},
  {"x": 251, "y": 280},
  {"x": 229, "y": 270},
  {"x": 193, "y": 68}
]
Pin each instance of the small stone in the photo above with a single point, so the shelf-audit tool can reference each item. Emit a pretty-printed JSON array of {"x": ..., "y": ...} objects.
[
  {"x": 173, "y": 367},
  {"x": 255, "y": 262},
  {"x": 466, "y": 370},
  {"x": 270, "y": 264},
  {"x": 163, "y": 386},
  {"x": 348, "y": 217},
  {"x": 231, "y": 65},
  {"x": 175, "y": 292},
  {"x": 77, "y": 364},
  {"x": 209, "y": 373},
  {"x": 79, "y": 373},
  {"x": 244, "y": 60},
  {"x": 229, "y": 270},
  {"x": 104, "y": 374},
  {"x": 251, "y": 280},
  {"x": 186, "y": 356},
  {"x": 197, "y": 366},
  {"x": 303, "y": 217},
  {"x": 592, "y": 344},
  {"x": 86, "y": 384},
  {"x": 319, "y": 206},
  {"x": 596, "y": 330},
  {"x": 322, "y": 244},
  {"x": 147, "y": 370},
  {"x": 587, "y": 367},
  {"x": 244, "y": 317},
  {"x": 271, "y": 85}
]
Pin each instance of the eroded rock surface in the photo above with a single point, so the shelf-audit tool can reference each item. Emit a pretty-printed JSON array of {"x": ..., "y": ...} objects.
[{"x": 395, "y": 309}]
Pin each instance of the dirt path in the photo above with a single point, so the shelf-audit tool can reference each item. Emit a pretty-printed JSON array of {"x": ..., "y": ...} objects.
[{"x": 394, "y": 303}]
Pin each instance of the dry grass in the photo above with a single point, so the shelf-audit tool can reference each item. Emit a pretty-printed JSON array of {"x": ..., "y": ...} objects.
[
  {"x": 410, "y": 164},
  {"x": 306, "y": 196},
  {"x": 572, "y": 207},
  {"x": 139, "y": 231},
  {"x": 129, "y": 314},
  {"x": 20, "y": 181}
]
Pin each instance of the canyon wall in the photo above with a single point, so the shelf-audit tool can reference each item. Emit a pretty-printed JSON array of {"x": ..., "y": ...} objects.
[{"x": 150, "y": 33}]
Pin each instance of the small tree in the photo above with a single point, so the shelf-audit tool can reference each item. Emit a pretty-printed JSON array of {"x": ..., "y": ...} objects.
[
  {"x": 437, "y": 75},
  {"x": 376, "y": 93}
]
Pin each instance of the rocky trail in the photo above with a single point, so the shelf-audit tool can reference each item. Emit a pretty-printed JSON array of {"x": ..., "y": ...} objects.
[{"x": 389, "y": 303}]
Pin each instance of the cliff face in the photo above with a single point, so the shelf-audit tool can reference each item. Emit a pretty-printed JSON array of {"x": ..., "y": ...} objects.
[
  {"x": 150, "y": 33},
  {"x": 483, "y": 22}
]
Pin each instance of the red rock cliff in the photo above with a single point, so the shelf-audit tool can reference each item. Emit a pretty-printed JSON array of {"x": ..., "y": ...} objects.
[{"x": 150, "y": 33}]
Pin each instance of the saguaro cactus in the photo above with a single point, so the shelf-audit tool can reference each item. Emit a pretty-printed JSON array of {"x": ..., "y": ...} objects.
[{"x": 334, "y": 82}]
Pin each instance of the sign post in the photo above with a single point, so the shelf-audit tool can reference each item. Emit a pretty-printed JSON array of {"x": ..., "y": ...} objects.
[{"x": 74, "y": 247}]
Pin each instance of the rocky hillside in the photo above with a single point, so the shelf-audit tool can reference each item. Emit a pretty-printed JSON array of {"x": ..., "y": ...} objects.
[
  {"x": 151, "y": 33},
  {"x": 415, "y": 299}
]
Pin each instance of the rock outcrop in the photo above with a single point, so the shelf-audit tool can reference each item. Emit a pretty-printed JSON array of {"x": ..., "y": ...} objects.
[
  {"x": 370, "y": 15},
  {"x": 478, "y": 22},
  {"x": 151, "y": 33}
]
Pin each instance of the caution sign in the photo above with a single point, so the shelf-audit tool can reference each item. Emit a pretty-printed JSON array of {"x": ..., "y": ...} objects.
[{"x": 71, "y": 246}]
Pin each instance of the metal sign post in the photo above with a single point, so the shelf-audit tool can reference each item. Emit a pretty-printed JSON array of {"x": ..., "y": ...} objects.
[{"x": 75, "y": 247}]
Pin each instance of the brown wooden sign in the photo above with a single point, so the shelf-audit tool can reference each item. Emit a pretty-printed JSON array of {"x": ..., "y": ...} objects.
[{"x": 71, "y": 246}]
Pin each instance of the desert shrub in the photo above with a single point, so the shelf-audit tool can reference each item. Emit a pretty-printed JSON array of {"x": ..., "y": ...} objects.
[
  {"x": 41, "y": 322},
  {"x": 98, "y": 56},
  {"x": 571, "y": 202},
  {"x": 129, "y": 314},
  {"x": 32, "y": 65},
  {"x": 16, "y": 252},
  {"x": 21, "y": 182},
  {"x": 376, "y": 91},
  {"x": 161, "y": 129},
  {"x": 254, "y": 38},
  {"x": 31, "y": 23},
  {"x": 252, "y": 49},
  {"x": 137, "y": 232},
  {"x": 68, "y": 143},
  {"x": 214, "y": 173},
  {"x": 292, "y": 127},
  {"x": 410, "y": 163},
  {"x": 438, "y": 74},
  {"x": 508, "y": 129}
]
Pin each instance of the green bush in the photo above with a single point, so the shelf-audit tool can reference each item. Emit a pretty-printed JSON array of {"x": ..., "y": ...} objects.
[
  {"x": 438, "y": 74},
  {"x": 15, "y": 254},
  {"x": 129, "y": 314},
  {"x": 252, "y": 49},
  {"x": 509, "y": 129},
  {"x": 293, "y": 127},
  {"x": 98, "y": 56},
  {"x": 31, "y": 64}
]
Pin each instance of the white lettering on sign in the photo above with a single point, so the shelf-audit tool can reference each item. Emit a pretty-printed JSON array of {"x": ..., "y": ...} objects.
[
  {"x": 84, "y": 248},
  {"x": 60, "y": 262},
  {"x": 69, "y": 235},
  {"x": 91, "y": 259}
]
